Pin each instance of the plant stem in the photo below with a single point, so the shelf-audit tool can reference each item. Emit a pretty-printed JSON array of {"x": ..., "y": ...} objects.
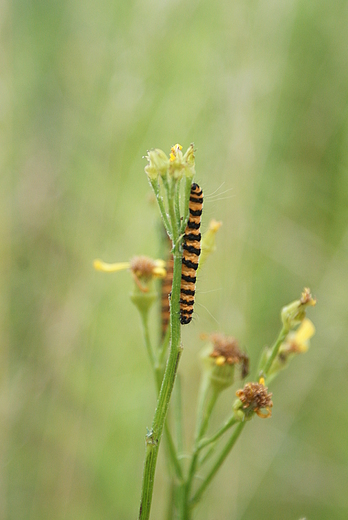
[
  {"x": 274, "y": 351},
  {"x": 158, "y": 380},
  {"x": 202, "y": 424},
  {"x": 156, "y": 189},
  {"x": 177, "y": 202},
  {"x": 153, "y": 438},
  {"x": 188, "y": 184},
  {"x": 178, "y": 414},
  {"x": 145, "y": 323},
  {"x": 218, "y": 463},
  {"x": 228, "y": 424}
]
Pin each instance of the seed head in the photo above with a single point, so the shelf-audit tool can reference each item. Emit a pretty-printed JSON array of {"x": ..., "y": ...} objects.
[{"x": 254, "y": 397}]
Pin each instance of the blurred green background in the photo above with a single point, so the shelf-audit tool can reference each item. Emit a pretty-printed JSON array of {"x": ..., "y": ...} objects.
[{"x": 261, "y": 88}]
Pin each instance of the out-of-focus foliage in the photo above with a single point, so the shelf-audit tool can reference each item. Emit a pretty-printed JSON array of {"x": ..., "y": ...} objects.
[{"x": 87, "y": 87}]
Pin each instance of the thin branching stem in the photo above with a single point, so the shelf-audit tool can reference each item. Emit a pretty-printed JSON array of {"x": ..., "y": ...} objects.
[
  {"x": 204, "y": 415},
  {"x": 156, "y": 188},
  {"x": 218, "y": 463},
  {"x": 228, "y": 424},
  {"x": 188, "y": 184},
  {"x": 274, "y": 351}
]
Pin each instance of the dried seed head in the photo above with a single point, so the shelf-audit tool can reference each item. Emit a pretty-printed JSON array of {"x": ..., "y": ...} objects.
[
  {"x": 226, "y": 349},
  {"x": 306, "y": 298},
  {"x": 254, "y": 397},
  {"x": 220, "y": 357}
]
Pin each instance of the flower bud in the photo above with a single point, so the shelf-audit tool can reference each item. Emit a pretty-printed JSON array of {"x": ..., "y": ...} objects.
[
  {"x": 176, "y": 160},
  {"x": 294, "y": 313},
  {"x": 189, "y": 161},
  {"x": 158, "y": 164}
]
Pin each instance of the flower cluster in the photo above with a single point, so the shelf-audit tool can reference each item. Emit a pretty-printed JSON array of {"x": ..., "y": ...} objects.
[{"x": 176, "y": 165}]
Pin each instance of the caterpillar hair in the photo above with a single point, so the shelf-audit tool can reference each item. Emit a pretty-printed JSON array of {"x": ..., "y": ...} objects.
[{"x": 191, "y": 251}]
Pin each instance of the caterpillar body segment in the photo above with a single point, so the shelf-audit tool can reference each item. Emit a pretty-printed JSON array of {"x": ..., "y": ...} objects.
[{"x": 191, "y": 251}]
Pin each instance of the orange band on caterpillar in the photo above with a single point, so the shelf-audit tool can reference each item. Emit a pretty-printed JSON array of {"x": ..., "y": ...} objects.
[{"x": 191, "y": 251}]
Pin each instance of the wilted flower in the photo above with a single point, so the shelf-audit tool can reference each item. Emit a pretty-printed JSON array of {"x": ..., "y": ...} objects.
[
  {"x": 254, "y": 397},
  {"x": 142, "y": 268},
  {"x": 295, "y": 312},
  {"x": 296, "y": 342},
  {"x": 221, "y": 356}
]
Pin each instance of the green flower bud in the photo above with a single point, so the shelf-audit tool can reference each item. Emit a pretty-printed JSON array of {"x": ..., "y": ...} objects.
[
  {"x": 158, "y": 164},
  {"x": 176, "y": 159},
  {"x": 189, "y": 161},
  {"x": 294, "y": 313}
]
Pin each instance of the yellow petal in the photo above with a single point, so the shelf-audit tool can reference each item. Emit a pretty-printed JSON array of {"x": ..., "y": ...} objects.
[
  {"x": 99, "y": 265},
  {"x": 220, "y": 361},
  {"x": 159, "y": 272},
  {"x": 305, "y": 331}
]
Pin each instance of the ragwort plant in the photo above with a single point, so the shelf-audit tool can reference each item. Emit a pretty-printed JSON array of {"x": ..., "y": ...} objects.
[{"x": 180, "y": 205}]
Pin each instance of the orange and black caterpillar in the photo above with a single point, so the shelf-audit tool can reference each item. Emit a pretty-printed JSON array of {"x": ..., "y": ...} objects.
[{"x": 192, "y": 250}]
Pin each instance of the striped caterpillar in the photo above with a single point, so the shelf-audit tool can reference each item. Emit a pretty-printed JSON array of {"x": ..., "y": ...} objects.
[{"x": 191, "y": 251}]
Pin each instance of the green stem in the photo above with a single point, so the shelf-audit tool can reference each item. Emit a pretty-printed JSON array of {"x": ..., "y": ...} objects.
[
  {"x": 153, "y": 438},
  {"x": 170, "y": 187},
  {"x": 178, "y": 415},
  {"x": 157, "y": 370},
  {"x": 228, "y": 424},
  {"x": 156, "y": 188},
  {"x": 274, "y": 351},
  {"x": 202, "y": 424},
  {"x": 188, "y": 184},
  {"x": 218, "y": 463},
  {"x": 177, "y": 202},
  {"x": 163, "y": 349},
  {"x": 145, "y": 323}
]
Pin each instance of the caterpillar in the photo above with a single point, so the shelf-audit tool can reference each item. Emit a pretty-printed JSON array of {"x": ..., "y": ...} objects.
[{"x": 191, "y": 251}]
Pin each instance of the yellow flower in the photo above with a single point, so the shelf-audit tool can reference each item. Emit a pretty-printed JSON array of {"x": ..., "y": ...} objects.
[
  {"x": 142, "y": 268},
  {"x": 175, "y": 152},
  {"x": 298, "y": 342},
  {"x": 181, "y": 164}
]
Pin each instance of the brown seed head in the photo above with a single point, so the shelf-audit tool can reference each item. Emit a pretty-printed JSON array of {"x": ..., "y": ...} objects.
[
  {"x": 142, "y": 266},
  {"x": 255, "y": 397},
  {"x": 225, "y": 347}
]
